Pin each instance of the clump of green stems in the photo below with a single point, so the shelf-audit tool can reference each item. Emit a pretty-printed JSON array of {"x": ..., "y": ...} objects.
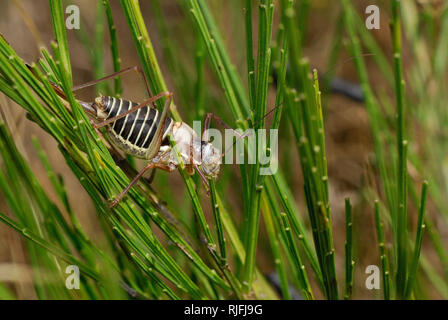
[{"x": 202, "y": 257}]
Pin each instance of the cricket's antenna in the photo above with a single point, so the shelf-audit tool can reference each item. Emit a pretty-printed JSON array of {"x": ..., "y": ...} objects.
[
  {"x": 344, "y": 62},
  {"x": 55, "y": 87},
  {"x": 85, "y": 105},
  {"x": 247, "y": 133}
]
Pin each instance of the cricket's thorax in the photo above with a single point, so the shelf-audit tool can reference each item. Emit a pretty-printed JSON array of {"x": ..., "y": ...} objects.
[{"x": 134, "y": 133}]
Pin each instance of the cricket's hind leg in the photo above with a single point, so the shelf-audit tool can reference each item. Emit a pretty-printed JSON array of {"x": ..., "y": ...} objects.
[{"x": 151, "y": 165}]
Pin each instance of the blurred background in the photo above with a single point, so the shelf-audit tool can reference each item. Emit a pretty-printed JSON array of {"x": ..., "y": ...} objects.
[{"x": 26, "y": 25}]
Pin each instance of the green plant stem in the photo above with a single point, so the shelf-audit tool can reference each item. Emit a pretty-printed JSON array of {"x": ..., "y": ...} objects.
[
  {"x": 418, "y": 241},
  {"x": 275, "y": 246},
  {"x": 219, "y": 227},
  {"x": 249, "y": 51},
  {"x": 116, "y": 61},
  {"x": 401, "y": 228},
  {"x": 257, "y": 180},
  {"x": 304, "y": 285},
  {"x": 383, "y": 256},
  {"x": 304, "y": 106},
  {"x": 349, "y": 262}
]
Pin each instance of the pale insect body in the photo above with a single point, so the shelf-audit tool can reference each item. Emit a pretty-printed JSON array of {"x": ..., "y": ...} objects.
[{"x": 135, "y": 132}]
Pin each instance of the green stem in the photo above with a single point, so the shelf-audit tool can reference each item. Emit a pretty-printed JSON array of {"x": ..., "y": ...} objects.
[
  {"x": 349, "y": 262},
  {"x": 116, "y": 61},
  {"x": 383, "y": 256},
  {"x": 257, "y": 180},
  {"x": 418, "y": 241},
  {"x": 401, "y": 228}
]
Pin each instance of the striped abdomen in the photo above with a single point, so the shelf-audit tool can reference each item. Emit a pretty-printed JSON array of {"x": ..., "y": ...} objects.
[{"x": 134, "y": 132}]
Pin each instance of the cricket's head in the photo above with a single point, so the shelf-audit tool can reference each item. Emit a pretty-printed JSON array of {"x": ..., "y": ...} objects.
[
  {"x": 211, "y": 160},
  {"x": 193, "y": 150}
]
